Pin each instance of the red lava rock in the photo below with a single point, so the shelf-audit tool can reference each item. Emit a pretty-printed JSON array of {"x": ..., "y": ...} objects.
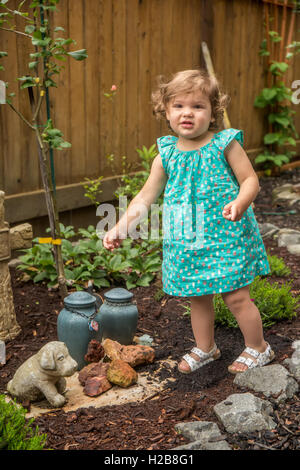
[
  {"x": 94, "y": 386},
  {"x": 121, "y": 373},
  {"x": 95, "y": 351},
  {"x": 136, "y": 355},
  {"x": 133, "y": 355},
  {"x": 92, "y": 370}
]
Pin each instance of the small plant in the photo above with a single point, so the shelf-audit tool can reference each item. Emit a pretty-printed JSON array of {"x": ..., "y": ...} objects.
[
  {"x": 92, "y": 189},
  {"x": 131, "y": 185},
  {"x": 15, "y": 432},
  {"x": 278, "y": 266},
  {"x": 275, "y": 303}
]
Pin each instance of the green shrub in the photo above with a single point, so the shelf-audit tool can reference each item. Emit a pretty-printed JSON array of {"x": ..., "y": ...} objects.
[
  {"x": 275, "y": 303},
  {"x": 278, "y": 266},
  {"x": 15, "y": 432}
]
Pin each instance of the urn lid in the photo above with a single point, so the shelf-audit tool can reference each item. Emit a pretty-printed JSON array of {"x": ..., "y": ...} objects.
[
  {"x": 80, "y": 300},
  {"x": 118, "y": 295}
]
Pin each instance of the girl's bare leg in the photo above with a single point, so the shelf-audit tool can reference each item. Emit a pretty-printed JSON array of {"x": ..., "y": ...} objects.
[
  {"x": 248, "y": 317},
  {"x": 202, "y": 319}
]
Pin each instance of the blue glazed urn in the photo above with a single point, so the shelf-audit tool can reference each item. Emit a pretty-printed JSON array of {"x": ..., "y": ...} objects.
[
  {"x": 78, "y": 323},
  {"x": 118, "y": 316}
]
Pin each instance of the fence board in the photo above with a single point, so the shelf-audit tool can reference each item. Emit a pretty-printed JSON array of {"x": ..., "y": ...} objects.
[
  {"x": 59, "y": 101},
  {"x": 130, "y": 43}
]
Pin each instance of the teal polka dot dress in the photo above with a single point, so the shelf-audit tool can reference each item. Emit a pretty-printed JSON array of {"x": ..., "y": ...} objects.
[{"x": 203, "y": 253}]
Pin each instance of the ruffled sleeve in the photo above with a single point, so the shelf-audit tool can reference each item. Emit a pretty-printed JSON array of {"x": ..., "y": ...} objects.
[
  {"x": 166, "y": 146},
  {"x": 227, "y": 135}
]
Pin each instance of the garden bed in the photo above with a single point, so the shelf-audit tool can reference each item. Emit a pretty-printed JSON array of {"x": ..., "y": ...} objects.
[{"x": 150, "y": 424}]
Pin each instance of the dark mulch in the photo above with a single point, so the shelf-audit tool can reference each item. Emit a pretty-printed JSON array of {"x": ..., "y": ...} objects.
[
  {"x": 150, "y": 424},
  {"x": 264, "y": 203}
]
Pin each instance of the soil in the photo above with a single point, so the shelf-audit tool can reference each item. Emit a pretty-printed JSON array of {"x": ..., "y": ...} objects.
[{"x": 149, "y": 425}]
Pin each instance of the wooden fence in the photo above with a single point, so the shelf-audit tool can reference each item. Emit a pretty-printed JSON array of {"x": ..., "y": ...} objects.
[{"x": 129, "y": 43}]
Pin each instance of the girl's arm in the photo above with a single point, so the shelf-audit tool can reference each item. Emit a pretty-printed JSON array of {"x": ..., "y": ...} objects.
[
  {"x": 139, "y": 206},
  {"x": 247, "y": 179}
]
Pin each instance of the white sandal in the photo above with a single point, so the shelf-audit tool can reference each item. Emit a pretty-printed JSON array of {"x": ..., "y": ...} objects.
[
  {"x": 261, "y": 359},
  {"x": 204, "y": 358}
]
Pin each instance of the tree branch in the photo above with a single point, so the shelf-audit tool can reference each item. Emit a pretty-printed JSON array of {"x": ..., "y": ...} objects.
[
  {"x": 17, "y": 32},
  {"x": 21, "y": 116}
]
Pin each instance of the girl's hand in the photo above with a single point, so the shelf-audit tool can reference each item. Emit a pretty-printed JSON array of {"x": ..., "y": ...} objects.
[
  {"x": 112, "y": 239},
  {"x": 233, "y": 211}
]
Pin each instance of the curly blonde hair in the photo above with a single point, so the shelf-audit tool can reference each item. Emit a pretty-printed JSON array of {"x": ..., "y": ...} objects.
[{"x": 189, "y": 81}]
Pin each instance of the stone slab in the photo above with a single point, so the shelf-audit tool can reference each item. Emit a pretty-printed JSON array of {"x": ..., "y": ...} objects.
[{"x": 146, "y": 386}]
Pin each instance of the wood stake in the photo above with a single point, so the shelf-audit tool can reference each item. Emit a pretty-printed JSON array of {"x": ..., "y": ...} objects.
[
  {"x": 210, "y": 69},
  {"x": 276, "y": 45},
  {"x": 291, "y": 29},
  {"x": 283, "y": 28}
]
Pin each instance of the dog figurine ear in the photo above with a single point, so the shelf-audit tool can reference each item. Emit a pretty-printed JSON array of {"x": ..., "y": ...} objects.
[{"x": 47, "y": 360}]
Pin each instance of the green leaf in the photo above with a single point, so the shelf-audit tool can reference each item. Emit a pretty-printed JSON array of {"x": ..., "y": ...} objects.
[
  {"x": 65, "y": 144},
  {"x": 49, "y": 82},
  {"x": 291, "y": 141},
  {"x": 280, "y": 159},
  {"x": 79, "y": 55},
  {"x": 269, "y": 93},
  {"x": 275, "y": 36},
  {"x": 54, "y": 132},
  {"x": 32, "y": 65},
  {"x": 41, "y": 42},
  {"x": 130, "y": 284},
  {"x": 29, "y": 28},
  {"x": 40, "y": 277},
  {"x": 271, "y": 138},
  {"x": 279, "y": 67},
  {"x": 35, "y": 54},
  {"x": 101, "y": 282},
  {"x": 145, "y": 280},
  {"x": 116, "y": 262}
]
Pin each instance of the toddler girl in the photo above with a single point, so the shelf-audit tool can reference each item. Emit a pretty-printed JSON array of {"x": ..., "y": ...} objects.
[{"x": 211, "y": 239}]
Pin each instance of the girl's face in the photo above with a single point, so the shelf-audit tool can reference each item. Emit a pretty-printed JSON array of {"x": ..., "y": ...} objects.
[{"x": 189, "y": 115}]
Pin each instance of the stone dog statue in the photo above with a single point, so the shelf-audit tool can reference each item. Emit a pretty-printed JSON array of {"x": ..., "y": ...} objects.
[{"x": 42, "y": 375}]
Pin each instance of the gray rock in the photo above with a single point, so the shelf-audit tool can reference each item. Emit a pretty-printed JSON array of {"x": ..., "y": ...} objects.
[
  {"x": 283, "y": 187},
  {"x": 288, "y": 236},
  {"x": 294, "y": 249},
  {"x": 293, "y": 363},
  {"x": 2, "y": 353},
  {"x": 13, "y": 263},
  {"x": 296, "y": 344},
  {"x": 286, "y": 193},
  {"x": 273, "y": 381},
  {"x": 200, "y": 445},
  {"x": 267, "y": 230},
  {"x": 204, "y": 435},
  {"x": 245, "y": 413}
]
